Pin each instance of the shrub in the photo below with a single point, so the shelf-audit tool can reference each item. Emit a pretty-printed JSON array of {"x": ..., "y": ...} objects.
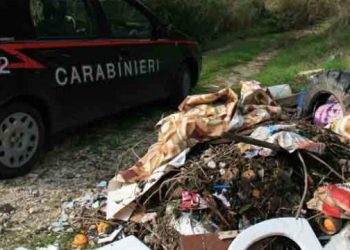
[
  {"x": 298, "y": 13},
  {"x": 207, "y": 19}
]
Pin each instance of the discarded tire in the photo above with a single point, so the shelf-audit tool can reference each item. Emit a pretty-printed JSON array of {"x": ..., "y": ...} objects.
[{"x": 324, "y": 85}]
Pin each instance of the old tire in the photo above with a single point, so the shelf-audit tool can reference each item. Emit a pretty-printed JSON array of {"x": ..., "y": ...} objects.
[
  {"x": 22, "y": 136},
  {"x": 182, "y": 85},
  {"x": 324, "y": 85}
]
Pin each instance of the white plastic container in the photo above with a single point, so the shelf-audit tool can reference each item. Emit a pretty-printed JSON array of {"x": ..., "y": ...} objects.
[{"x": 280, "y": 91}]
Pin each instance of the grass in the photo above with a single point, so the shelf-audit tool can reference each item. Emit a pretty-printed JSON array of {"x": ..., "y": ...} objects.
[
  {"x": 219, "y": 63},
  {"x": 325, "y": 49},
  {"x": 224, "y": 39},
  {"x": 329, "y": 51},
  {"x": 34, "y": 241}
]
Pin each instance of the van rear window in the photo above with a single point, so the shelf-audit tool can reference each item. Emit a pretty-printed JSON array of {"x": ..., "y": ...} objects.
[{"x": 15, "y": 21}]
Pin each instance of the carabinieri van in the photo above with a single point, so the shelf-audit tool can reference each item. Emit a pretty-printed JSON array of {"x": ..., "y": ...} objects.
[{"x": 66, "y": 62}]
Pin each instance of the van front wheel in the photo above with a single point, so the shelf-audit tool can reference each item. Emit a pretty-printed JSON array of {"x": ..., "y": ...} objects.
[
  {"x": 22, "y": 136},
  {"x": 182, "y": 86}
]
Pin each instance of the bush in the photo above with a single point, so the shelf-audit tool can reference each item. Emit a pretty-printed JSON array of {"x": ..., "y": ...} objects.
[
  {"x": 207, "y": 19},
  {"x": 289, "y": 14}
]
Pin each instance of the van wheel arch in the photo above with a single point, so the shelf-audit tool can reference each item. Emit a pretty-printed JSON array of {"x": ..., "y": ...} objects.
[
  {"x": 39, "y": 105},
  {"x": 193, "y": 65}
]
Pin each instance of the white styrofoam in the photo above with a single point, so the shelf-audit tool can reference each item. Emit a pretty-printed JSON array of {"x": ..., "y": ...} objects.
[
  {"x": 298, "y": 230},
  {"x": 130, "y": 242}
]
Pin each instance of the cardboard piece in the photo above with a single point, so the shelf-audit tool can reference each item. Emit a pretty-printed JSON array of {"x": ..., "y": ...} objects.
[
  {"x": 120, "y": 197},
  {"x": 203, "y": 242},
  {"x": 126, "y": 212}
]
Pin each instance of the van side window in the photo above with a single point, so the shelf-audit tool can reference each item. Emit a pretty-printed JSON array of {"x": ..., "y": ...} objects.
[
  {"x": 125, "y": 20},
  {"x": 15, "y": 20},
  {"x": 62, "y": 18}
]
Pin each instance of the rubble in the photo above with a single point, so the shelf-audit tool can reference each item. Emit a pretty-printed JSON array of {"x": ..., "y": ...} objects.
[{"x": 222, "y": 164}]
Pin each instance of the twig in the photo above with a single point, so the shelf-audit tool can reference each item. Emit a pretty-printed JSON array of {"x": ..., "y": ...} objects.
[
  {"x": 213, "y": 207},
  {"x": 339, "y": 146},
  {"x": 156, "y": 235},
  {"x": 323, "y": 178},
  {"x": 169, "y": 190},
  {"x": 94, "y": 219},
  {"x": 220, "y": 141},
  {"x": 326, "y": 164},
  {"x": 201, "y": 169},
  {"x": 160, "y": 187},
  {"x": 252, "y": 141},
  {"x": 135, "y": 154},
  {"x": 314, "y": 216},
  {"x": 305, "y": 185}
]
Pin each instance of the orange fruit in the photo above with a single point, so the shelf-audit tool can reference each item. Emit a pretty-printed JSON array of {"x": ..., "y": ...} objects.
[
  {"x": 80, "y": 241},
  {"x": 330, "y": 226}
]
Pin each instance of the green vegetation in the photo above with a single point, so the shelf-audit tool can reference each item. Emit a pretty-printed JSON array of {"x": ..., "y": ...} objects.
[
  {"x": 251, "y": 23},
  {"x": 330, "y": 51},
  {"x": 227, "y": 38},
  {"x": 208, "y": 20},
  {"x": 219, "y": 63},
  {"x": 323, "y": 46}
]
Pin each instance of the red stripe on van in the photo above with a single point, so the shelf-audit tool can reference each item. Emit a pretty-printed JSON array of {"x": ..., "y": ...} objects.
[{"x": 28, "y": 63}]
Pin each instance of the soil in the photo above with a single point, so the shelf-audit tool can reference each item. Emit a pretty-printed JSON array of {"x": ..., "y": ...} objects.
[{"x": 76, "y": 161}]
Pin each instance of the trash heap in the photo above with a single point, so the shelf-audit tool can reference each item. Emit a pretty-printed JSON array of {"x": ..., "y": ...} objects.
[{"x": 221, "y": 165}]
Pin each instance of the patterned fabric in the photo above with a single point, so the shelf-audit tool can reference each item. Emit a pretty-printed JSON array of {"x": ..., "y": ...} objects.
[
  {"x": 201, "y": 118},
  {"x": 286, "y": 136},
  {"x": 341, "y": 126},
  {"x": 327, "y": 113}
]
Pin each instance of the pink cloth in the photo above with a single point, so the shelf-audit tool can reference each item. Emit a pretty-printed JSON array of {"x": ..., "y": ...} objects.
[{"x": 327, "y": 113}]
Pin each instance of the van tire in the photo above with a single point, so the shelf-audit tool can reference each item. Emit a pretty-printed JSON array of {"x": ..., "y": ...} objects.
[
  {"x": 22, "y": 138},
  {"x": 182, "y": 85}
]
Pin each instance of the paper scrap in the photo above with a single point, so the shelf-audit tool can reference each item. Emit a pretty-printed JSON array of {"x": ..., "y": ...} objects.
[{"x": 130, "y": 242}]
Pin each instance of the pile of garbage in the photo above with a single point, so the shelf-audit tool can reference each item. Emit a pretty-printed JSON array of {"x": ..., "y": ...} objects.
[{"x": 221, "y": 165}]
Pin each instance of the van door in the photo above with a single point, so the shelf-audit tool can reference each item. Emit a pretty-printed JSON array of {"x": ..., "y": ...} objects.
[
  {"x": 76, "y": 70},
  {"x": 142, "y": 69}
]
